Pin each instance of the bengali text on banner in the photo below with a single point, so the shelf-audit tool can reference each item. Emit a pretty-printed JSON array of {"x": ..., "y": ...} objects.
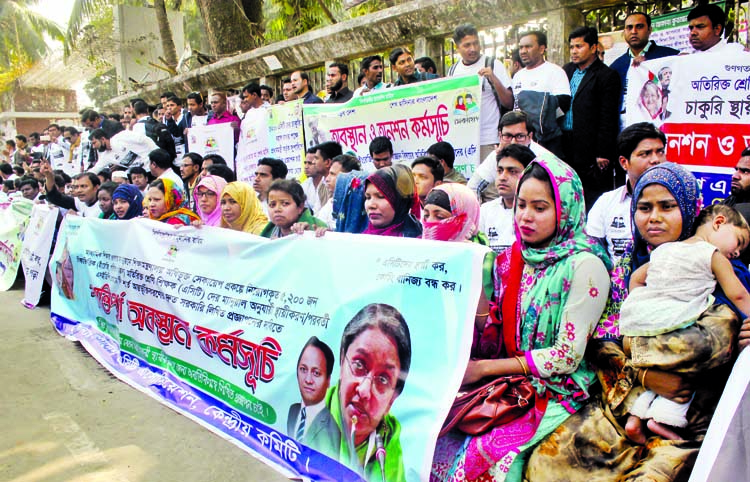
[
  {"x": 702, "y": 103},
  {"x": 14, "y": 217},
  {"x": 414, "y": 117},
  {"x": 240, "y": 333},
  {"x": 37, "y": 244}
]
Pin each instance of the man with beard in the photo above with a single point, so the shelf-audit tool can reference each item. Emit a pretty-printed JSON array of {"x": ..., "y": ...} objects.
[
  {"x": 126, "y": 149},
  {"x": 636, "y": 34},
  {"x": 372, "y": 68},
  {"x": 336, "y": 83},
  {"x": 740, "y": 181}
]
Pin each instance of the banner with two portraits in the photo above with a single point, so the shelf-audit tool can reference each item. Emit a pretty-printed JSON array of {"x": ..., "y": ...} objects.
[{"x": 333, "y": 358}]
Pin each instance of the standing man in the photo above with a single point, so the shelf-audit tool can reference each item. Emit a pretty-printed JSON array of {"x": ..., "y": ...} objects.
[
  {"x": 287, "y": 90},
  {"x": 268, "y": 170},
  {"x": 542, "y": 90},
  {"x": 496, "y": 216},
  {"x": 740, "y": 181},
  {"x": 706, "y": 25},
  {"x": 372, "y": 68},
  {"x": 301, "y": 86},
  {"x": 177, "y": 122},
  {"x": 495, "y": 84},
  {"x": 426, "y": 65},
  {"x": 190, "y": 170},
  {"x": 337, "y": 79},
  {"x": 197, "y": 109},
  {"x": 220, "y": 115},
  {"x": 591, "y": 124},
  {"x": 252, "y": 96},
  {"x": 317, "y": 165},
  {"x": 314, "y": 368},
  {"x": 636, "y": 34},
  {"x": 639, "y": 147},
  {"x": 403, "y": 62},
  {"x": 21, "y": 155},
  {"x": 266, "y": 94}
]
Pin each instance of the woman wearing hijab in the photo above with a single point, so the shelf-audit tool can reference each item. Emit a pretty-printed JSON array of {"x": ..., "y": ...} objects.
[
  {"x": 207, "y": 196},
  {"x": 127, "y": 201},
  {"x": 550, "y": 288},
  {"x": 167, "y": 203},
  {"x": 392, "y": 203},
  {"x": 592, "y": 444},
  {"x": 241, "y": 209}
]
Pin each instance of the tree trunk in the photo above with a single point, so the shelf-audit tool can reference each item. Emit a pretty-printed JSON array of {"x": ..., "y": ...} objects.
[
  {"x": 167, "y": 43},
  {"x": 228, "y": 29}
]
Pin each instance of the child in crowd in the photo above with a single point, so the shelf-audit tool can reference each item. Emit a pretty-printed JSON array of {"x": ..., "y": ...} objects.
[
  {"x": 286, "y": 206},
  {"x": 669, "y": 293}
]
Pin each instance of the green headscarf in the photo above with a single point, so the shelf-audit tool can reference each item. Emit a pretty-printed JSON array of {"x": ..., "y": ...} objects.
[{"x": 543, "y": 304}]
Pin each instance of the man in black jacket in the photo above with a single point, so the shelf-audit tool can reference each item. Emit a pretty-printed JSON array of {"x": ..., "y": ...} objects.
[{"x": 590, "y": 126}]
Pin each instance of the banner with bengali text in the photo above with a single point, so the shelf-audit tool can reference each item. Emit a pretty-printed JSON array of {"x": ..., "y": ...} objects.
[
  {"x": 271, "y": 131},
  {"x": 14, "y": 217},
  {"x": 37, "y": 244},
  {"x": 213, "y": 139},
  {"x": 671, "y": 29},
  {"x": 702, "y": 103},
  {"x": 212, "y": 323},
  {"x": 414, "y": 117}
]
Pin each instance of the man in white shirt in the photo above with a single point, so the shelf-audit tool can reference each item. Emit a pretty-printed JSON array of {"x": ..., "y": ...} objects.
[
  {"x": 317, "y": 164},
  {"x": 161, "y": 165},
  {"x": 496, "y": 217},
  {"x": 372, "y": 67},
  {"x": 515, "y": 128},
  {"x": 639, "y": 147},
  {"x": 314, "y": 368},
  {"x": 126, "y": 149},
  {"x": 542, "y": 90},
  {"x": 85, "y": 188},
  {"x": 267, "y": 172},
  {"x": 495, "y": 84},
  {"x": 706, "y": 26}
]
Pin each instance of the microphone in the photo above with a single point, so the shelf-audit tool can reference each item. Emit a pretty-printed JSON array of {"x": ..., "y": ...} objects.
[{"x": 380, "y": 454}]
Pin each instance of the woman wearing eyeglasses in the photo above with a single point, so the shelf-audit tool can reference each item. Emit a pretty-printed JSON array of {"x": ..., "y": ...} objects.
[{"x": 375, "y": 359}]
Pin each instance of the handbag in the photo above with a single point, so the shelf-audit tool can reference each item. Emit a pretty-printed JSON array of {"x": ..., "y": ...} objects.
[{"x": 500, "y": 401}]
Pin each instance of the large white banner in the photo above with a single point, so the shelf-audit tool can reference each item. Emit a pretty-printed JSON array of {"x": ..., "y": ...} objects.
[
  {"x": 37, "y": 244},
  {"x": 219, "y": 325}
]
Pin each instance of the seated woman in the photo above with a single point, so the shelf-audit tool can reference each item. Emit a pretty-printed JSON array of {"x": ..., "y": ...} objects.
[
  {"x": 551, "y": 287},
  {"x": 105, "y": 199},
  {"x": 392, "y": 203},
  {"x": 375, "y": 346},
  {"x": 241, "y": 209},
  {"x": 451, "y": 213},
  {"x": 593, "y": 445},
  {"x": 167, "y": 203},
  {"x": 286, "y": 206},
  {"x": 206, "y": 195},
  {"x": 127, "y": 202}
]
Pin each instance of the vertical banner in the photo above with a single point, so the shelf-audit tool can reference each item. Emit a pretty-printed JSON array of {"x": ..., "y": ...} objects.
[
  {"x": 702, "y": 103},
  {"x": 414, "y": 117},
  {"x": 308, "y": 362},
  {"x": 14, "y": 217},
  {"x": 213, "y": 139},
  {"x": 271, "y": 131},
  {"x": 37, "y": 244}
]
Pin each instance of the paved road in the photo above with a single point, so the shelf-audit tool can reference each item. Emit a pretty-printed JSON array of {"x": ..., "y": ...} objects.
[{"x": 64, "y": 418}]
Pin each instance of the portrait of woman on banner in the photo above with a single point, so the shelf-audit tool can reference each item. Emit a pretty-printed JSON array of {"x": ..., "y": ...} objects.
[{"x": 375, "y": 357}]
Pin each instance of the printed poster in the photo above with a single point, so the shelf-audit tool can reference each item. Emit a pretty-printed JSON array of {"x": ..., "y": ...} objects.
[
  {"x": 671, "y": 30},
  {"x": 271, "y": 131},
  {"x": 213, "y": 139},
  {"x": 14, "y": 217},
  {"x": 702, "y": 103},
  {"x": 413, "y": 116},
  {"x": 37, "y": 244},
  {"x": 230, "y": 330}
]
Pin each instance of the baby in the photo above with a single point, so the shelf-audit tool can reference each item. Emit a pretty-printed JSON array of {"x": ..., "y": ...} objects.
[{"x": 671, "y": 291}]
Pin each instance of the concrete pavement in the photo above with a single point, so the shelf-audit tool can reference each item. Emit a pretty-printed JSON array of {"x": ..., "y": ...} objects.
[{"x": 65, "y": 418}]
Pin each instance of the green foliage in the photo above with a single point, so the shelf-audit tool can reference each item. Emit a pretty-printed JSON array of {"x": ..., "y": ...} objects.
[
  {"x": 22, "y": 34},
  {"x": 102, "y": 88}
]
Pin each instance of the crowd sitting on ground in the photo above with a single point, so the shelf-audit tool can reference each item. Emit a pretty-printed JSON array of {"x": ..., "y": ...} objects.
[{"x": 617, "y": 397}]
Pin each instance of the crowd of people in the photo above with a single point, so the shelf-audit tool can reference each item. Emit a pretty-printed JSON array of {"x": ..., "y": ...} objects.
[{"x": 585, "y": 223}]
